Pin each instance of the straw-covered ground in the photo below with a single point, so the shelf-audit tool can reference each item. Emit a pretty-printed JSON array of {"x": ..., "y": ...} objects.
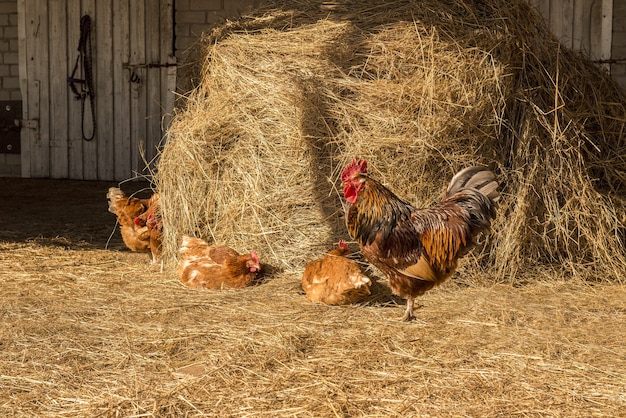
[{"x": 93, "y": 331}]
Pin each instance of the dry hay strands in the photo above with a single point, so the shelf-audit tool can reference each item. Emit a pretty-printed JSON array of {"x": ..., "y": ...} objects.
[{"x": 292, "y": 92}]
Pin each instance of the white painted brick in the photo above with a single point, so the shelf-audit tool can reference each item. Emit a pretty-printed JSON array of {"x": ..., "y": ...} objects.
[
  {"x": 10, "y": 83},
  {"x": 183, "y": 43},
  {"x": 10, "y": 58},
  {"x": 182, "y": 5},
  {"x": 205, "y": 5},
  {"x": 5, "y": 70},
  {"x": 238, "y": 7},
  {"x": 190, "y": 17},
  {"x": 8, "y": 7},
  {"x": 197, "y": 30},
  {"x": 10, "y": 32},
  {"x": 217, "y": 17}
]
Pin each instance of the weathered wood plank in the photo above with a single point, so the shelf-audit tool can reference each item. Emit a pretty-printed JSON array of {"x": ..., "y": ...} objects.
[
  {"x": 39, "y": 102},
  {"x": 59, "y": 163},
  {"x": 138, "y": 89},
  {"x": 121, "y": 89},
  {"x": 103, "y": 70},
  {"x": 168, "y": 74},
  {"x": 90, "y": 148},
  {"x": 597, "y": 29},
  {"x": 567, "y": 23},
  {"x": 24, "y": 74},
  {"x": 555, "y": 19},
  {"x": 153, "y": 82},
  {"x": 579, "y": 23},
  {"x": 74, "y": 106},
  {"x": 606, "y": 33}
]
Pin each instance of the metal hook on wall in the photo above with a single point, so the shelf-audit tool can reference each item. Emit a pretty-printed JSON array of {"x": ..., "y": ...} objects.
[{"x": 134, "y": 77}]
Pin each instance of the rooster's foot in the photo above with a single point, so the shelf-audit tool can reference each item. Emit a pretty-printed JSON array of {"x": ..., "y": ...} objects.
[{"x": 408, "y": 315}]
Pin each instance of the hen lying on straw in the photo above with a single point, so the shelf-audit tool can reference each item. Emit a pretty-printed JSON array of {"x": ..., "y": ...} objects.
[{"x": 335, "y": 279}]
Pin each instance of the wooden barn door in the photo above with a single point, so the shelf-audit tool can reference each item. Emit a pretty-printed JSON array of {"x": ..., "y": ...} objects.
[
  {"x": 582, "y": 25},
  {"x": 134, "y": 77}
]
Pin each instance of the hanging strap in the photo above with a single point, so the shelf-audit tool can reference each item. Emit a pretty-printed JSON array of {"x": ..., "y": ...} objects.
[{"x": 86, "y": 92}]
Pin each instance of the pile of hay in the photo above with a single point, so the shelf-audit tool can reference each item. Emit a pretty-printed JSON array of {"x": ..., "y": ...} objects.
[{"x": 289, "y": 94}]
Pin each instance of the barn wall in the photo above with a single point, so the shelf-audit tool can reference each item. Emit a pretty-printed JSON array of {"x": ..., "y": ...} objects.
[
  {"x": 134, "y": 75},
  {"x": 597, "y": 28},
  {"x": 583, "y": 25},
  {"x": 10, "y": 165}
]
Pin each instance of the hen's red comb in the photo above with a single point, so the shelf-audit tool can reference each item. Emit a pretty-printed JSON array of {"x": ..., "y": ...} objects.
[{"x": 343, "y": 245}]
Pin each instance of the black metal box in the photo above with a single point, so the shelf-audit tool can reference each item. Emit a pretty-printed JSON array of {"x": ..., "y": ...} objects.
[{"x": 10, "y": 112}]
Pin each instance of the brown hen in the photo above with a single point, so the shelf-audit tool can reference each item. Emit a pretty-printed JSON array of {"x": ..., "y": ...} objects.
[
  {"x": 216, "y": 267},
  {"x": 335, "y": 279},
  {"x": 127, "y": 209},
  {"x": 151, "y": 219}
]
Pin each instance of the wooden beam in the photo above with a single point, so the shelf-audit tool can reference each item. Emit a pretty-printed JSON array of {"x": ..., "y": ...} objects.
[{"x": 606, "y": 34}]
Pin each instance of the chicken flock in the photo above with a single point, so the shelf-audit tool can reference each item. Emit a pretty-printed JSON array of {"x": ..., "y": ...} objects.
[{"x": 416, "y": 249}]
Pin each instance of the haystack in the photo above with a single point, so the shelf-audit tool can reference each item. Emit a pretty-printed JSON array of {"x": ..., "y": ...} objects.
[{"x": 292, "y": 92}]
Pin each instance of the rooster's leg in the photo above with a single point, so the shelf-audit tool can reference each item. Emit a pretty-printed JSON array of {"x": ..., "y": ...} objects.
[{"x": 408, "y": 315}]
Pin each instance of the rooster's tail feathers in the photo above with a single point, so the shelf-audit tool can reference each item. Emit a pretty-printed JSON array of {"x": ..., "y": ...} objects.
[{"x": 478, "y": 178}]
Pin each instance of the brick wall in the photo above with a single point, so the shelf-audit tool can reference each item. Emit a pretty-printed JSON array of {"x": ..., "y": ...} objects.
[
  {"x": 618, "y": 49},
  {"x": 9, "y": 70},
  {"x": 194, "y": 17},
  {"x": 10, "y": 165}
]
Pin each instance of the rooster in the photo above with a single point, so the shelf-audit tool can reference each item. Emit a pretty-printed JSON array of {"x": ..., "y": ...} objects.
[
  {"x": 127, "y": 209},
  {"x": 152, "y": 222},
  {"x": 335, "y": 279},
  {"x": 417, "y": 248},
  {"x": 215, "y": 267}
]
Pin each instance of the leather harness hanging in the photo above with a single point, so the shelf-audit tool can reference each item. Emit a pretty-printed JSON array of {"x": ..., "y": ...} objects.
[{"x": 86, "y": 92}]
